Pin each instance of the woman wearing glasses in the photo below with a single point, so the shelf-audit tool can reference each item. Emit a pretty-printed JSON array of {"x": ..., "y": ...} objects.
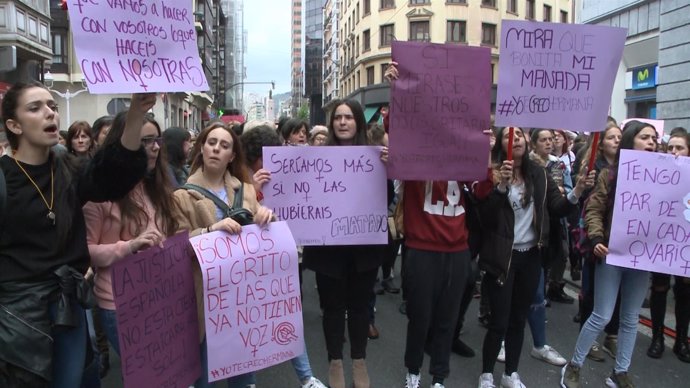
[{"x": 141, "y": 219}]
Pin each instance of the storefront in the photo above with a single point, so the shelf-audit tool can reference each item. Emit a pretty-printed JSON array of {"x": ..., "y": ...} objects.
[{"x": 640, "y": 93}]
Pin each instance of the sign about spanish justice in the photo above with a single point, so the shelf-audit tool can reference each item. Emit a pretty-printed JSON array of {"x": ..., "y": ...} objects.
[
  {"x": 440, "y": 104},
  {"x": 556, "y": 75},
  {"x": 127, "y": 46},
  {"x": 156, "y": 316},
  {"x": 333, "y": 195},
  {"x": 252, "y": 301},
  {"x": 651, "y": 216}
]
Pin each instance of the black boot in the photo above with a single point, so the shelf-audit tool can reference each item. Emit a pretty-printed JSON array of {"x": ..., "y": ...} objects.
[
  {"x": 682, "y": 350},
  {"x": 656, "y": 349}
]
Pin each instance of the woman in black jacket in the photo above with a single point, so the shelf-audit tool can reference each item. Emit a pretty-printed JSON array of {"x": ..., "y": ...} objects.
[
  {"x": 43, "y": 251},
  {"x": 515, "y": 212}
]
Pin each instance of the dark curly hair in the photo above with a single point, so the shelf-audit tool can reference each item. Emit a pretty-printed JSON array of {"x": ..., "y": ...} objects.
[{"x": 254, "y": 140}]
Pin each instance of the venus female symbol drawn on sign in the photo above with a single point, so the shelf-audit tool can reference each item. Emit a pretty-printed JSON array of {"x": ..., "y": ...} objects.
[{"x": 686, "y": 212}]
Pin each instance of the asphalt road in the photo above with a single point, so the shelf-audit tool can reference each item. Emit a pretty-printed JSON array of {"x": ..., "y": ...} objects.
[{"x": 385, "y": 355}]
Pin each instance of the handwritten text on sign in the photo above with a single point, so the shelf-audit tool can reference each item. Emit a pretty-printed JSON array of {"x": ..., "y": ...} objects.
[
  {"x": 440, "y": 105},
  {"x": 328, "y": 195},
  {"x": 252, "y": 299},
  {"x": 554, "y": 75},
  {"x": 651, "y": 217},
  {"x": 129, "y": 46},
  {"x": 156, "y": 316}
]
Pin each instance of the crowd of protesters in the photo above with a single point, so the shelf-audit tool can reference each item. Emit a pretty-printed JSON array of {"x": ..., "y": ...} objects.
[{"x": 77, "y": 201}]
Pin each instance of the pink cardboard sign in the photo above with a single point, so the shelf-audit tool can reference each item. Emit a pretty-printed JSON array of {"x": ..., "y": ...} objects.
[
  {"x": 651, "y": 217},
  {"x": 556, "y": 75},
  {"x": 440, "y": 104},
  {"x": 156, "y": 316},
  {"x": 127, "y": 46},
  {"x": 328, "y": 195},
  {"x": 252, "y": 299}
]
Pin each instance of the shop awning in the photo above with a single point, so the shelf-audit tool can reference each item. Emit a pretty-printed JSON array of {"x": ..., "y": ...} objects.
[{"x": 644, "y": 97}]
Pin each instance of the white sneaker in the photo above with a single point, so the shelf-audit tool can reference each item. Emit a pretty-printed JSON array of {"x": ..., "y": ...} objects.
[
  {"x": 412, "y": 381},
  {"x": 437, "y": 385},
  {"x": 512, "y": 381},
  {"x": 313, "y": 382},
  {"x": 486, "y": 380},
  {"x": 502, "y": 354},
  {"x": 548, "y": 354}
]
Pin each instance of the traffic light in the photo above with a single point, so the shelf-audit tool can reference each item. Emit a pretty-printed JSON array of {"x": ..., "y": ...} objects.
[
  {"x": 63, "y": 5},
  {"x": 273, "y": 85},
  {"x": 220, "y": 112}
]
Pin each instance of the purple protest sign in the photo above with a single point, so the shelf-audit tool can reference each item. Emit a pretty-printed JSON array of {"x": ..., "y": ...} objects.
[
  {"x": 555, "y": 75},
  {"x": 651, "y": 217},
  {"x": 440, "y": 105},
  {"x": 252, "y": 299},
  {"x": 156, "y": 316},
  {"x": 127, "y": 46},
  {"x": 328, "y": 195}
]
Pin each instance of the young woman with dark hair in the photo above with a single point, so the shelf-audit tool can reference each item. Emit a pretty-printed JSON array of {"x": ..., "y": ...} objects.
[
  {"x": 100, "y": 129},
  {"x": 218, "y": 165},
  {"x": 609, "y": 280},
  {"x": 515, "y": 210},
  {"x": 678, "y": 145},
  {"x": 140, "y": 220},
  {"x": 607, "y": 148},
  {"x": 345, "y": 275},
  {"x": 79, "y": 140},
  {"x": 178, "y": 144},
  {"x": 295, "y": 132},
  {"x": 43, "y": 238}
]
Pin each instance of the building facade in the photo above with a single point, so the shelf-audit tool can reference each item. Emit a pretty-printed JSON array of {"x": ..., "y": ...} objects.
[
  {"x": 24, "y": 40},
  {"x": 235, "y": 50},
  {"x": 652, "y": 80},
  {"x": 368, "y": 27},
  {"x": 313, "y": 59},
  {"x": 331, "y": 51},
  {"x": 296, "y": 73}
]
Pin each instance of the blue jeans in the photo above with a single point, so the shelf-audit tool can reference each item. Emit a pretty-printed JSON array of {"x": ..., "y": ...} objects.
[
  {"x": 69, "y": 351},
  {"x": 109, "y": 323},
  {"x": 302, "y": 366},
  {"x": 537, "y": 315},
  {"x": 240, "y": 381},
  {"x": 633, "y": 288}
]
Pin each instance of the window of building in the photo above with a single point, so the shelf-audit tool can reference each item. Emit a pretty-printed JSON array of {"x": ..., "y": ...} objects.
[
  {"x": 385, "y": 4},
  {"x": 419, "y": 31},
  {"x": 367, "y": 7},
  {"x": 358, "y": 83},
  {"x": 21, "y": 21},
  {"x": 456, "y": 1},
  {"x": 387, "y": 34},
  {"x": 383, "y": 70},
  {"x": 529, "y": 9},
  {"x": 59, "y": 47},
  {"x": 370, "y": 75},
  {"x": 512, "y": 6},
  {"x": 489, "y": 34},
  {"x": 564, "y": 16},
  {"x": 489, "y": 3},
  {"x": 366, "y": 40},
  {"x": 357, "y": 12},
  {"x": 547, "y": 13},
  {"x": 357, "y": 47},
  {"x": 456, "y": 31},
  {"x": 420, "y": 1}
]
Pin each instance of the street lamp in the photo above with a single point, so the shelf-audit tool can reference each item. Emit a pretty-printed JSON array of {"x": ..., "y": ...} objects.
[{"x": 67, "y": 95}]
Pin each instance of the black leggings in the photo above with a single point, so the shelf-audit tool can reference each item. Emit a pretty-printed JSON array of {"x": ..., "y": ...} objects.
[
  {"x": 351, "y": 294},
  {"x": 510, "y": 305},
  {"x": 657, "y": 303}
]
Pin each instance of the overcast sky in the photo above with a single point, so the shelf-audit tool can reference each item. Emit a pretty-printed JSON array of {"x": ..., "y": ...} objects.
[{"x": 268, "y": 45}]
